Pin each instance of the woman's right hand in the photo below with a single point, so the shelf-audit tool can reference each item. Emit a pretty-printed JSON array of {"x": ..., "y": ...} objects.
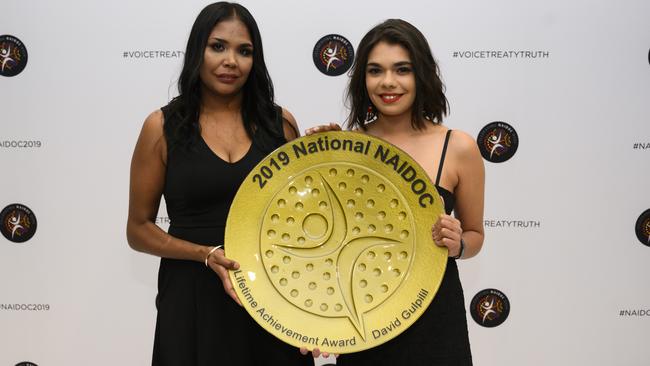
[
  {"x": 221, "y": 265},
  {"x": 323, "y": 128}
]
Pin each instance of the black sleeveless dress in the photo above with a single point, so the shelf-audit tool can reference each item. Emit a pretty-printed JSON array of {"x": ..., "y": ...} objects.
[
  {"x": 439, "y": 337},
  {"x": 197, "y": 323}
]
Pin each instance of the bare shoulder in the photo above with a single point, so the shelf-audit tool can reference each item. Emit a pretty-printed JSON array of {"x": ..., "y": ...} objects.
[
  {"x": 288, "y": 117},
  {"x": 152, "y": 139},
  {"x": 463, "y": 145},
  {"x": 289, "y": 125},
  {"x": 153, "y": 124}
]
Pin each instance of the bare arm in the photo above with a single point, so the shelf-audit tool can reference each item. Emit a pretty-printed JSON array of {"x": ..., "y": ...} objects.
[
  {"x": 469, "y": 192},
  {"x": 146, "y": 187}
]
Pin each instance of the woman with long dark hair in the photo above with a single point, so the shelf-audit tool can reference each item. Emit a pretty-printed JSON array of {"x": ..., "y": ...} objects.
[
  {"x": 196, "y": 151},
  {"x": 396, "y": 93}
]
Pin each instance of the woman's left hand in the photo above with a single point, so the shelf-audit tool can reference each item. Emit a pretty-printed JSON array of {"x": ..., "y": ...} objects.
[{"x": 446, "y": 232}]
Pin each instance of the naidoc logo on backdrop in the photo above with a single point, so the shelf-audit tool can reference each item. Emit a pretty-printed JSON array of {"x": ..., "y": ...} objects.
[
  {"x": 333, "y": 55},
  {"x": 13, "y": 55},
  {"x": 642, "y": 228},
  {"x": 26, "y": 363},
  {"x": 18, "y": 223},
  {"x": 498, "y": 142},
  {"x": 490, "y": 308}
]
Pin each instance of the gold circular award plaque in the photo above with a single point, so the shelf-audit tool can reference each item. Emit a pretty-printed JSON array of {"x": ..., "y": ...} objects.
[{"x": 333, "y": 236}]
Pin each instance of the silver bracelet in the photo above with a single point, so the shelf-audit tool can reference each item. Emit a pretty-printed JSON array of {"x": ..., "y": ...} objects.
[{"x": 210, "y": 253}]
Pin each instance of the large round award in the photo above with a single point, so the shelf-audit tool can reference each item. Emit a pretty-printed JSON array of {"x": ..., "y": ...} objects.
[{"x": 333, "y": 236}]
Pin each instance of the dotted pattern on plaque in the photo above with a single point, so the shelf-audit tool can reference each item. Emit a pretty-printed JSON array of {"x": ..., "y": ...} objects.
[{"x": 337, "y": 241}]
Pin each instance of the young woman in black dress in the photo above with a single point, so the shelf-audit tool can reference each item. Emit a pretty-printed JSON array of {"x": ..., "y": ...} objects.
[
  {"x": 396, "y": 94},
  {"x": 196, "y": 151}
]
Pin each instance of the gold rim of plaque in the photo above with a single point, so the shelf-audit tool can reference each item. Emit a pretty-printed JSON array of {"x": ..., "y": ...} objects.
[{"x": 333, "y": 236}]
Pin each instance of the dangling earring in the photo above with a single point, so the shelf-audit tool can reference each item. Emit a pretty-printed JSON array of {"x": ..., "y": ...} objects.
[{"x": 371, "y": 115}]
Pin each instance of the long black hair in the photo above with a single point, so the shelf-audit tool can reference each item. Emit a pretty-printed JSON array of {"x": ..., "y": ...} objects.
[
  {"x": 430, "y": 102},
  {"x": 258, "y": 109}
]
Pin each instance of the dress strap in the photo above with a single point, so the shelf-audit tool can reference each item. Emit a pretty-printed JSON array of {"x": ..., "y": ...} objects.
[{"x": 442, "y": 157}]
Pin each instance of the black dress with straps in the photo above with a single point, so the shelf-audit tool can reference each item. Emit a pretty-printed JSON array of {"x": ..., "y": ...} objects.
[
  {"x": 439, "y": 337},
  {"x": 197, "y": 323}
]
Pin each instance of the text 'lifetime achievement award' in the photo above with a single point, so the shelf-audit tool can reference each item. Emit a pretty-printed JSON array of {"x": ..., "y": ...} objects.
[{"x": 333, "y": 235}]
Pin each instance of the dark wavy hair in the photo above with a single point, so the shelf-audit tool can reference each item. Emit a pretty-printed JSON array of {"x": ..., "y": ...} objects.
[
  {"x": 258, "y": 109},
  {"x": 430, "y": 101}
]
